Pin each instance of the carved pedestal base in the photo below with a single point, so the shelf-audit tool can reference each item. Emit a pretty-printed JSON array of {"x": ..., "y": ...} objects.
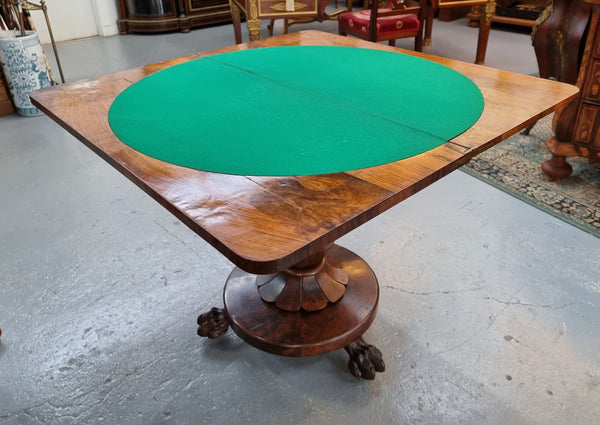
[{"x": 304, "y": 333}]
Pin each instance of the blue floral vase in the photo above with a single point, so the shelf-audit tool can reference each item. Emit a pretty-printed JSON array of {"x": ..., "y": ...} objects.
[{"x": 25, "y": 69}]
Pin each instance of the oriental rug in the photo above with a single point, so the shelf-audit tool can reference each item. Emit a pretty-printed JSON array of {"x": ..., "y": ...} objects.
[{"x": 513, "y": 166}]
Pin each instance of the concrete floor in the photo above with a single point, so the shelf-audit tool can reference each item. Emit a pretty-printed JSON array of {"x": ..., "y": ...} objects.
[{"x": 489, "y": 310}]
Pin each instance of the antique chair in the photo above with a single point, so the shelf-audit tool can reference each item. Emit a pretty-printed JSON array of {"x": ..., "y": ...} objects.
[
  {"x": 385, "y": 20},
  {"x": 320, "y": 17}
]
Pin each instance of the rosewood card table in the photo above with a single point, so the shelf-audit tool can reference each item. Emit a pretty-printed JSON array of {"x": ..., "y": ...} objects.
[{"x": 294, "y": 292}]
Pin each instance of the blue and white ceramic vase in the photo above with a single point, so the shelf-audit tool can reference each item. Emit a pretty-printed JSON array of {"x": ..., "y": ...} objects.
[{"x": 25, "y": 69}]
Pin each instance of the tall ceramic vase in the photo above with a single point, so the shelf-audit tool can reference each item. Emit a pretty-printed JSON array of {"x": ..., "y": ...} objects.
[{"x": 25, "y": 69}]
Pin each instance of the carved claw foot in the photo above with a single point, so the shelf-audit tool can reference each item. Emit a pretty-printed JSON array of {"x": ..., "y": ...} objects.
[
  {"x": 365, "y": 359},
  {"x": 213, "y": 324}
]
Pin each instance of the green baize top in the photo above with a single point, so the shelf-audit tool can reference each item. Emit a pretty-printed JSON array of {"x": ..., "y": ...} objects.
[{"x": 296, "y": 110}]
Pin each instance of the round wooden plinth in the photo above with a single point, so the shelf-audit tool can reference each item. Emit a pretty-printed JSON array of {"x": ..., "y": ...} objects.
[{"x": 303, "y": 333}]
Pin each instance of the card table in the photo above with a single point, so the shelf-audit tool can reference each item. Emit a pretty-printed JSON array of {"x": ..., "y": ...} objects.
[{"x": 294, "y": 291}]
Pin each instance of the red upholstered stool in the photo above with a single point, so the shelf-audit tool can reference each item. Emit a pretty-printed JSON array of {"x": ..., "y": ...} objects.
[{"x": 396, "y": 19}]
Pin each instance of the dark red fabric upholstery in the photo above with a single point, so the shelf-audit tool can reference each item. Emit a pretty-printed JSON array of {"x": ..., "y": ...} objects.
[{"x": 359, "y": 20}]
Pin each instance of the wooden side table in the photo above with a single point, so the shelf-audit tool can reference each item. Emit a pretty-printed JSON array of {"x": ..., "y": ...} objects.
[
  {"x": 577, "y": 126},
  {"x": 256, "y": 10}
]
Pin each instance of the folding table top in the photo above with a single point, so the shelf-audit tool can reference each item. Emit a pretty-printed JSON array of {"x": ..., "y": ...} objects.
[{"x": 265, "y": 223}]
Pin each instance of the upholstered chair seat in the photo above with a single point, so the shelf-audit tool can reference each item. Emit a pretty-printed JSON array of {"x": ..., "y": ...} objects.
[{"x": 397, "y": 19}]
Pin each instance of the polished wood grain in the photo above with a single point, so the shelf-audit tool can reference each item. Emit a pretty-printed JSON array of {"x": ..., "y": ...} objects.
[{"x": 268, "y": 224}]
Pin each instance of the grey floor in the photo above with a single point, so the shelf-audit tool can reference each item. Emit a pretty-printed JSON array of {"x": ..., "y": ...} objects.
[{"x": 489, "y": 310}]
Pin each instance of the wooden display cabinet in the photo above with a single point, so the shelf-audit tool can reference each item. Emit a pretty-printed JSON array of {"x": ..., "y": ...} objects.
[
  {"x": 577, "y": 125},
  {"x": 510, "y": 12},
  {"x": 523, "y": 13},
  {"x": 170, "y": 15}
]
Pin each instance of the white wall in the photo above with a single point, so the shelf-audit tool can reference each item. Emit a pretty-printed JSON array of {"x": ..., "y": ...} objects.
[{"x": 71, "y": 19}]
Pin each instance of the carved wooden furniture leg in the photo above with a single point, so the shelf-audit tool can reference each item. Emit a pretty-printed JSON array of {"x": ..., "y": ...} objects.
[
  {"x": 557, "y": 167},
  {"x": 429, "y": 15},
  {"x": 485, "y": 24},
  {"x": 213, "y": 324},
  {"x": 237, "y": 21},
  {"x": 270, "y": 27},
  {"x": 252, "y": 20},
  {"x": 528, "y": 129},
  {"x": 365, "y": 359}
]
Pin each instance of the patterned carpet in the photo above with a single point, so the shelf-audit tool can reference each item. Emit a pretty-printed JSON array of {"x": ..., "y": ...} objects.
[{"x": 514, "y": 167}]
